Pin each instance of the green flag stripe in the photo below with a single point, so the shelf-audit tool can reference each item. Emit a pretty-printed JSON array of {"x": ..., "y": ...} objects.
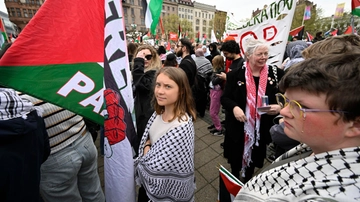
[{"x": 50, "y": 79}]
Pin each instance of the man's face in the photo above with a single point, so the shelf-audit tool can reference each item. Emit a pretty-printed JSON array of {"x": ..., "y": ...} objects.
[
  {"x": 229, "y": 56},
  {"x": 179, "y": 49},
  {"x": 172, "y": 46}
]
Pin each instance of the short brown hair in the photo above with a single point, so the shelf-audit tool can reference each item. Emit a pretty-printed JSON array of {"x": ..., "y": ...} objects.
[
  {"x": 335, "y": 75},
  {"x": 332, "y": 45}
]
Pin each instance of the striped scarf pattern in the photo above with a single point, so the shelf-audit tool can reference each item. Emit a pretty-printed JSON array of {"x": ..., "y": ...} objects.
[{"x": 252, "y": 125}]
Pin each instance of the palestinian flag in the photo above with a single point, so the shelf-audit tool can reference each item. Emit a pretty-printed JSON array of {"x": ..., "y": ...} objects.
[
  {"x": 78, "y": 60},
  {"x": 309, "y": 37},
  {"x": 152, "y": 10},
  {"x": 349, "y": 30},
  {"x": 355, "y": 7},
  {"x": 299, "y": 32},
  {"x": 230, "y": 182},
  {"x": 3, "y": 37}
]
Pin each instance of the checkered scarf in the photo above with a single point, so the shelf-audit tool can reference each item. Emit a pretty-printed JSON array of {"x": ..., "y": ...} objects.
[
  {"x": 328, "y": 176},
  {"x": 252, "y": 125},
  {"x": 13, "y": 106}
]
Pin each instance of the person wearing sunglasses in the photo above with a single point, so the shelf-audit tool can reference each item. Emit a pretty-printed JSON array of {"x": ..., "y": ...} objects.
[
  {"x": 320, "y": 108},
  {"x": 146, "y": 63}
]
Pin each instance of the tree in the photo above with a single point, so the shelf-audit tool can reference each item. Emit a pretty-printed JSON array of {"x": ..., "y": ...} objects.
[
  {"x": 299, "y": 15},
  {"x": 219, "y": 24},
  {"x": 171, "y": 24}
]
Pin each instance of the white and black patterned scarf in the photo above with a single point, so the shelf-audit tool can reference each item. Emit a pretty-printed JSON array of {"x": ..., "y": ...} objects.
[
  {"x": 328, "y": 176},
  {"x": 12, "y": 105},
  {"x": 167, "y": 170}
]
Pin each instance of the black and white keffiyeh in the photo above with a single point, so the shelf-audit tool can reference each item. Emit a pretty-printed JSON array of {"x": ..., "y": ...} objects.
[
  {"x": 167, "y": 170},
  {"x": 12, "y": 105},
  {"x": 328, "y": 176}
]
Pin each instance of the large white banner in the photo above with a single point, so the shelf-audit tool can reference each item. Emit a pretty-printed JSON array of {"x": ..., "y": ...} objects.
[{"x": 271, "y": 25}]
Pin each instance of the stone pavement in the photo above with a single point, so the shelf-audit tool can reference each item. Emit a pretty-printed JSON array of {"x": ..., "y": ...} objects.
[{"x": 208, "y": 156}]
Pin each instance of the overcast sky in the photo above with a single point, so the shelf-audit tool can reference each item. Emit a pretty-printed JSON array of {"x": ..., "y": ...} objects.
[{"x": 243, "y": 8}]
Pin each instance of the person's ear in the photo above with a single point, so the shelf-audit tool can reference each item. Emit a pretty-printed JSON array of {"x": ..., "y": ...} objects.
[{"x": 354, "y": 128}]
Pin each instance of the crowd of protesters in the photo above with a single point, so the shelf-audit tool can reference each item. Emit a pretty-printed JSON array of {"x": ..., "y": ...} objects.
[{"x": 171, "y": 88}]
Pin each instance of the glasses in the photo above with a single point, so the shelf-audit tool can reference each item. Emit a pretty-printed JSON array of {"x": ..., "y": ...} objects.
[
  {"x": 296, "y": 109},
  {"x": 148, "y": 57}
]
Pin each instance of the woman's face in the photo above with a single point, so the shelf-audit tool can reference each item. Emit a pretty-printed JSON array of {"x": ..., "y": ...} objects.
[
  {"x": 322, "y": 131},
  {"x": 259, "y": 57},
  {"x": 148, "y": 57},
  {"x": 166, "y": 91}
]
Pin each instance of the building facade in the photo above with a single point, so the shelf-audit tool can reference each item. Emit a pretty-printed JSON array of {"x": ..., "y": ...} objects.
[
  {"x": 203, "y": 19},
  {"x": 21, "y": 11}
]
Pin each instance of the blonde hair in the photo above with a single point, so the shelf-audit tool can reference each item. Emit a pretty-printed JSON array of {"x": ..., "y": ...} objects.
[
  {"x": 218, "y": 63},
  {"x": 155, "y": 63}
]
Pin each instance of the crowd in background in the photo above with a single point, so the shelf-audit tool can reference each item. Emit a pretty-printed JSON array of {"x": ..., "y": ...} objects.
[{"x": 263, "y": 105}]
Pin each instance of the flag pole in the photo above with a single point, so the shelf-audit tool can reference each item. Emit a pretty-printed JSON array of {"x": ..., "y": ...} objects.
[
  {"x": 304, "y": 15},
  {"x": 352, "y": 24},
  {"x": 332, "y": 21}
]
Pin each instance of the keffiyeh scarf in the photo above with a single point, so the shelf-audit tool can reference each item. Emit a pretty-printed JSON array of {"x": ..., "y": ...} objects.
[
  {"x": 12, "y": 105},
  {"x": 328, "y": 176},
  {"x": 252, "y": 125},
  {"x": 167, "y": 170}
]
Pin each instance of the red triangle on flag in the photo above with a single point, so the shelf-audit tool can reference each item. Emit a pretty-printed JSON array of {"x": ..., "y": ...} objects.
[{"x": 295, "y": 31}]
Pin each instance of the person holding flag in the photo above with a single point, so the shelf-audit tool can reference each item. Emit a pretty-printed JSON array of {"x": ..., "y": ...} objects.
[{"x": 165, "y": 166}]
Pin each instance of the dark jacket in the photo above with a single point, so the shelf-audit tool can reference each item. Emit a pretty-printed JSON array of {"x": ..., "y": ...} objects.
[
  {"x": 188, "y": 65},
  {"x": 24, "y": 146},
  {"x": 215, "y": 80},
  {"x": 235, "y": 95},
  {"x": 143, "y": 84}
]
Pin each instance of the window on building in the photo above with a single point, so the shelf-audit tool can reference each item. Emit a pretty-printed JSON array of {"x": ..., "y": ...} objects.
[
  {"x": 202, "y": 14},
  {"x": 182, "y": 9},
  {"x": 25, "y": 13},
  {"x": 139, "y": 3},
  {"x": 182, "y": 16},
  {"x": 195, "y": 14},
  {"x": 185, "y": 10},
  {"x": 37, "y": 2},
  {"x": 197, "y": 28},
  {"x": 18, "y": 12},
  {"x": 197, "y": 21},
  {"x": 163, "y": 14},
  {"x": 34, "y": 12},
  {"x": 204, "y": 29},
  {"x": 179, "y": 9},
  {"x": 125, "y": 11},
  {"x": 132, "y": 11},
  {"x": 204, "y": 22},
  {"x": 133, "y": 20},
  {"x": 191, "y": 17},
  {"x": 32, "y": 1},
  {"x": 30, "y": 13},
  {"x": 126, "y": 20},
  {"x": 179, "y": 15},
  {"x": 13, "y": 12},
  {"x": 168, "y": 8},
  {"x": 173, "y": 9},
  {"x": 206, "y": 15},
  {"x": 132, "y": 2},
  {"x": 143, "y": 21}
]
